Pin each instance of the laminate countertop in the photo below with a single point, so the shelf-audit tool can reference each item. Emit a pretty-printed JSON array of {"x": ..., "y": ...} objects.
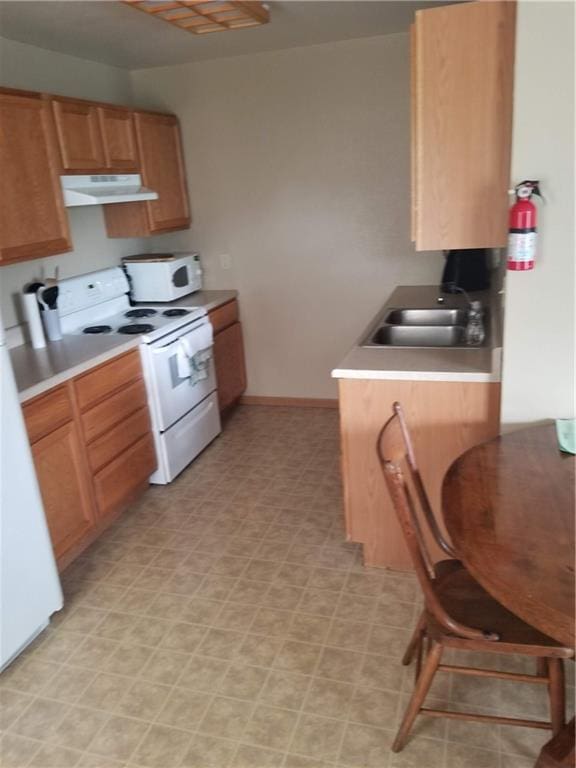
[
  {"x": 426, "y": 363},
  {"x": 38, "y": 370}
]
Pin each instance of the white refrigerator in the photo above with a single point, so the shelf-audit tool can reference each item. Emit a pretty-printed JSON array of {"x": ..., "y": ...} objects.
[{"x": 30, "y": 589}]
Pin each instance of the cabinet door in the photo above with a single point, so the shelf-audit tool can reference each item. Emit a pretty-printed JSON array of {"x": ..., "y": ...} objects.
[
  {"x": 124, "y": 478},
  {"x": 230, "y": 365},
  {"x": 464, "y": 59},
  {"x": 79, "y": 135},
  {"x": 117, "y": 129},
  {"x": 33, "y": 220},
  {"x": 64, "y": 485},
  {"x": 163, "y": 171}
]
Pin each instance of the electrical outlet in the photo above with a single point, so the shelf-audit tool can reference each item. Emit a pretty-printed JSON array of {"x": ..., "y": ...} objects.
[{"x": 225, "y": 261}]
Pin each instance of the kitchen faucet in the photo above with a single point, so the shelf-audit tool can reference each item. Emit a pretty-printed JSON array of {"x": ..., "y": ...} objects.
[{"x": 475, "y": 332}]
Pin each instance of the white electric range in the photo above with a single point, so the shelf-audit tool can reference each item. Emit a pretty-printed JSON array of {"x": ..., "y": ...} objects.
[{"x": 176, "y": 353}]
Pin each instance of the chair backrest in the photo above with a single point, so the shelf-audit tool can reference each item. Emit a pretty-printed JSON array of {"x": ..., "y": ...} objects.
[
  {"x": 420, "y": 490},
  {"x": 412, "y": 508}
]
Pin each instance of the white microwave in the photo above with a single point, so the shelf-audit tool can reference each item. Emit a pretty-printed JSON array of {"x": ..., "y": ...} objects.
[{"x": 163, "y": 276}]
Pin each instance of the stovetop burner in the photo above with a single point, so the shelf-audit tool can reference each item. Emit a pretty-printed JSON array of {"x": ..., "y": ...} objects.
[
  {"x": 176, "y": 312},
  {"x": 141, "y": 312},
  {"x": 95, "y": 329},
  {"x": 134, "y": 328}
]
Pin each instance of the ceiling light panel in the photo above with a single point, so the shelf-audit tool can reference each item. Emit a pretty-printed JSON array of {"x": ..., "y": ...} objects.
[{"x": 203, "y": 16}]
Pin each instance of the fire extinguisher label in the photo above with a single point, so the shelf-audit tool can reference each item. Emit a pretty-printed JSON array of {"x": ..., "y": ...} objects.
[{"x": 521, "y": 246}]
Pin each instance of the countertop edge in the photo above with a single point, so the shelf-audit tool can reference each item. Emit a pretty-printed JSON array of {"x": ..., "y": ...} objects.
[
  {"x": 455, "y": 376},
  {"x": 76, "y": 370},
  {"x": 223, "y": 297}
]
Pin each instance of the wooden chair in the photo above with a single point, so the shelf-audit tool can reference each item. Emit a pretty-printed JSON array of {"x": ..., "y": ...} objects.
[{"x": 458, "y": 612}]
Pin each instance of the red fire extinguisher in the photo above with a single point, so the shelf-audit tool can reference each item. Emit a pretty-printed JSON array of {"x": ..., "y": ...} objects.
[{"x": 522, "y": 229}]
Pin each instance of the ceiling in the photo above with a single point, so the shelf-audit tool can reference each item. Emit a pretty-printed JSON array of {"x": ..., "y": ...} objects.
[{"x": 113, "y": 33}]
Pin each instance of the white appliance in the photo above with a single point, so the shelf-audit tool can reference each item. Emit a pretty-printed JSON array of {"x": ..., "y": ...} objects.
[
  {"x": 163, "y": 276},
  {"x": 176, "y": 352},
  {"x": 30, "y": 589},
  {"x": 103, "y": 190}
]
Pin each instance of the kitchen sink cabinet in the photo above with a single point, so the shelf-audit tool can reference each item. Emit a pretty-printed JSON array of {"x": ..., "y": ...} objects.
[
  {"x": 162, "y": 169},
  {"x": 228, "y": 354},
  {"x": 93, "y": 451},
  {"x": 33, "y": 220},
  {"x": 462, "y": 90},
  {"x": 61, "y": 468},
  {"x": 445, "y": 419}
]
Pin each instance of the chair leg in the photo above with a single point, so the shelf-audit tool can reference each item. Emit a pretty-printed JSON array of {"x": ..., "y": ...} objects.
[
  {"x": 418, "y": 695},
  {"x": 415, "y": 640},
  {"x": 557, "y": 694},
  {"x": 542, "y": 667}
]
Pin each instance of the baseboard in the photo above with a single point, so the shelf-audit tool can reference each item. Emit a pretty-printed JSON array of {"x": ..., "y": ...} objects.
[{"x": 296, "y": 402}]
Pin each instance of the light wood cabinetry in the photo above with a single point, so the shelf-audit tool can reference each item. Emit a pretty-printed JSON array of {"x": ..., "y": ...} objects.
[
  {"x": 462, "y": 87},
  {"x": 162, "y": 169},
  {"x": 445, "y": 419},
  {"x": 228, "y": 354},
  {"x": 33, "y": 220},
  {"x": 94, "y": 138},
  {"x": 61, "y": 468},
  {"x": 92, "y": 449},
  {"x": 117, "y": 127},
  {"x": 120, "y": 448},
  {"x": 43, "y": 136},
  {"x": 121, "y": 480},
  {"x": 79, "y": 135}
]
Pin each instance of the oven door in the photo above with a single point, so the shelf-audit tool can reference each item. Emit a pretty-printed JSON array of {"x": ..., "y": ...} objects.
[{"x": 172, "y": 395}]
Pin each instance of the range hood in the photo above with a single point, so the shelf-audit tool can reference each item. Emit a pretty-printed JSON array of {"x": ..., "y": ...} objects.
[{"x": 103, "y": 190}]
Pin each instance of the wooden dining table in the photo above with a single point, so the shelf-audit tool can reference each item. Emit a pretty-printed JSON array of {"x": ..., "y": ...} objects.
[{"x": 508, "y": 506}]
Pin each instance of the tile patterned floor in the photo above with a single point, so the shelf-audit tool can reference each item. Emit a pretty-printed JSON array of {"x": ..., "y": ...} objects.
[{"x": 224, "y": 623}]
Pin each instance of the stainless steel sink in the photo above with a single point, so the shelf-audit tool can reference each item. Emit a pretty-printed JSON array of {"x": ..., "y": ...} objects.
[
  {"x": 419, "y": 336},
  {"x": 434, "y": 317}
]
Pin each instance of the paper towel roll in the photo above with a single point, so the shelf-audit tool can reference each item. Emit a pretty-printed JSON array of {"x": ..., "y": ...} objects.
[{"x": 32, "y": 314}]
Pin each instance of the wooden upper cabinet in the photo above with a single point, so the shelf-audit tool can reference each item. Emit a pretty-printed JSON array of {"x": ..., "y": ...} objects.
[
  {"x": 463, "y": 59},
  {"x": 79, "y": 135},
  {"x": 162, "y": 169},
  {"x": 117, "y": 127},
  {"x": 33, "y": 220}
]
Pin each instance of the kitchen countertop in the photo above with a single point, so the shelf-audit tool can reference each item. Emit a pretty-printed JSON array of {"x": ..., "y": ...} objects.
[
  {"x": 38, "y": 370},
  {"x": 480, "y": 364}
]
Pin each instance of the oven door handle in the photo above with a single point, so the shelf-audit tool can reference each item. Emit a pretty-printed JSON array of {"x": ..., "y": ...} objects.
[{"x": 161, "y": 350}]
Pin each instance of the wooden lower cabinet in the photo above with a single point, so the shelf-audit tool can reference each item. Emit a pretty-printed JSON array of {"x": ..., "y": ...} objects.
[
  {"x": 93, "y": 451},
  {"x": 445, "y": 419},
  {"x": 64, "y": 481},
  {"x": 228, "y": 354},
  {"x": 230, "y": 366},
  {"x": 119, "y": 482}
]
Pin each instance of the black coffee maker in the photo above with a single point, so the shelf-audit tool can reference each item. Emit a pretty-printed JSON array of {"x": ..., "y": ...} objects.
[{"x": 466, "y": 269}]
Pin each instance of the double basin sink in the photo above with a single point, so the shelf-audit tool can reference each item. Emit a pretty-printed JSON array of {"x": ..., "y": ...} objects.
[{"x": 437, "y": 327}]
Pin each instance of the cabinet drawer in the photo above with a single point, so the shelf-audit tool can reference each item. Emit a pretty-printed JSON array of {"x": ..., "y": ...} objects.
[
  {"x": 45, "y": 414},
  {"x": 119, "y": 481},
  {"x": 113, "y": 410},
  {"x": 118, "y": 439},
  {"x": 223, "y": 316},
  {"x": 98, "y": 384}
]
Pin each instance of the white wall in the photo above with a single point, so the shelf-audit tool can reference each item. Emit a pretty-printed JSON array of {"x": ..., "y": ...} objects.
[
  {"x": 539, "y": 330},
  {"x": 36, "y": 69},
  {"x": 298, "y": 166}
]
